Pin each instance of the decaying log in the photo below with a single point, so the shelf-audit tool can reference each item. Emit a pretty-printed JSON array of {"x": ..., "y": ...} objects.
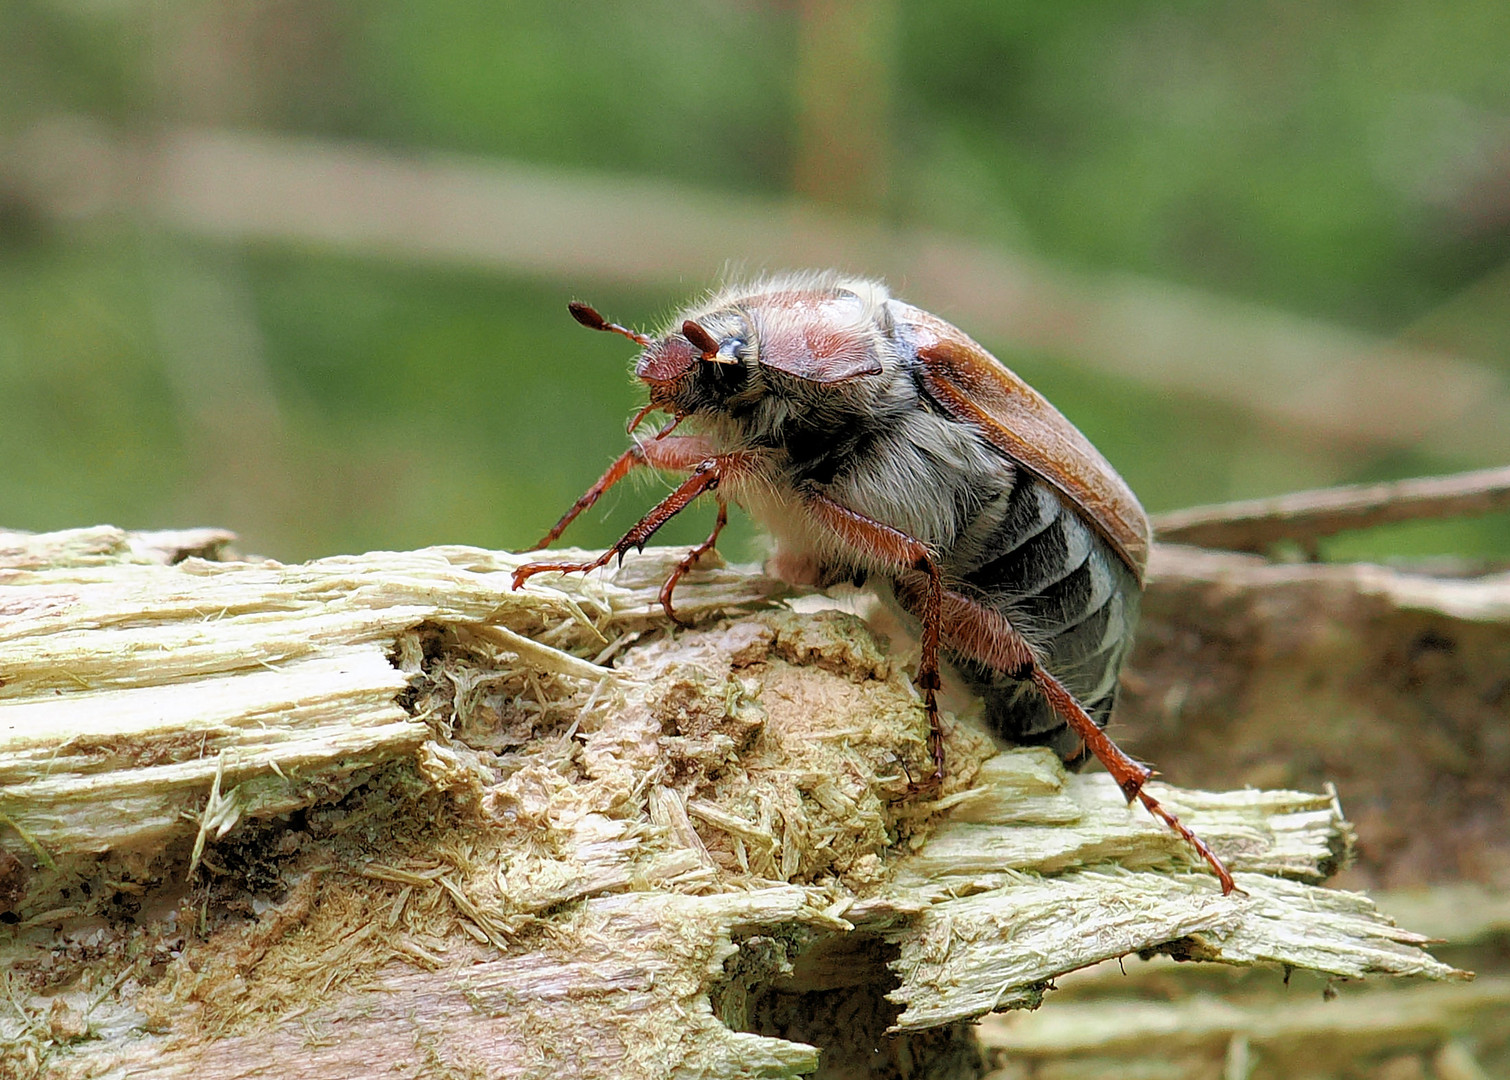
[
  {"x": 1391, "y": 683},
  {"x": 383, "y": 813}
]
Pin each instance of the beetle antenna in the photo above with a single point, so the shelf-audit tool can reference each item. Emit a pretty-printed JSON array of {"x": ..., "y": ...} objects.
[
  {"x": 589, "y": 317},
  {"x": 705, "y": 342}
]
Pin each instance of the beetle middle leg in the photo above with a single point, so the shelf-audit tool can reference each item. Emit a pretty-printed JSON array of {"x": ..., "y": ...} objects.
[{"x": 889, "y": 545}]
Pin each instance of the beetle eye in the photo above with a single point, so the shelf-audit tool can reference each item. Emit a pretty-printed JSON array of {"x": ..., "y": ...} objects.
[{"x": 728, "y": 352}]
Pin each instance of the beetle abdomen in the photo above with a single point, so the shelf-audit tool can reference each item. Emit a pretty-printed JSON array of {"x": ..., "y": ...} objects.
[{"x": 1070, "y": 596}]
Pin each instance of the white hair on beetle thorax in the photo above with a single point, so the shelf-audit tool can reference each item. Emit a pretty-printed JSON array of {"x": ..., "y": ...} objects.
[{"x": 733, "y": 294}]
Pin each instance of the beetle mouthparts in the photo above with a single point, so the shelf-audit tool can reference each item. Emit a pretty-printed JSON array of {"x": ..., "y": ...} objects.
[{"x": 639, "y": 417}]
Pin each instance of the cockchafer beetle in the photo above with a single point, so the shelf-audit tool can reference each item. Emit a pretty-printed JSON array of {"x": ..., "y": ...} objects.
[{"x": 879, "y": 444}]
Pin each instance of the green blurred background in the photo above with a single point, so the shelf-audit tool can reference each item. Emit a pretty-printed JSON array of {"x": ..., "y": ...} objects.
[{"x": 299, "y": 267}]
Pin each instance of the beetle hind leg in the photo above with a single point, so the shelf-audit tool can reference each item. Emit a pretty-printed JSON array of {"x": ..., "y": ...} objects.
[{"x": 984, "y": 635}]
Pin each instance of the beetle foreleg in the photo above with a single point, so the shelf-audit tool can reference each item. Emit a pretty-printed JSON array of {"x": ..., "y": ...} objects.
[
  {"x": 889, "y": 545},
  {"x": 705, "y": 477},
  {"x": 680, "y": 453}
]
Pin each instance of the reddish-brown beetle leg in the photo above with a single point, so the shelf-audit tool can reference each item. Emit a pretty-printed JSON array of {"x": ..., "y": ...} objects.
[
  {"x": 1129, "y": 775},
  {"x": 705, "y": 477},
  {"x": 682, "y": 452},
  {"x": 887, "y": 544},
  {"x": 979, "y": 632},
  {"x": 685, "y": 566},
  {"x": 1156, "y": 808},
  {"x": 614, "y": 473}
]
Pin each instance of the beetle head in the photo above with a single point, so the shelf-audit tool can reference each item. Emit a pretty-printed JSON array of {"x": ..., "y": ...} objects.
[
  {"x": 792, "y": 336},
  {"x": 670, "y": 365},
  {"x": 673, "y": 359}
]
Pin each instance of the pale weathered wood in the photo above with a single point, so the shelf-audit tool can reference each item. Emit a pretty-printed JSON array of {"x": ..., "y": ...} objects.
[
  {"x": 1291, "y": 1038},
  {"x": 126, "y": 684},
  {"x": 511, "y": 860},
  {"x": 106, "y": 545},
  {"x": 992, "y": 937},
  {"x": 635, "y": 1004}
]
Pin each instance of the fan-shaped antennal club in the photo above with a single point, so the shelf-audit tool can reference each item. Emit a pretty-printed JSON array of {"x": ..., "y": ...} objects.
[
  {"x": 705, "y": 342},
  {"x": 588, "y": 316}
]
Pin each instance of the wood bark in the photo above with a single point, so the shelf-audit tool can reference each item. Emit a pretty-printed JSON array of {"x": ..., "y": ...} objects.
[{"x": 382, "y": 812}]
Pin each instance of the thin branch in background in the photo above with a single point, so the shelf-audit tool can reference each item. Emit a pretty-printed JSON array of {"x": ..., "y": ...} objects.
[{"x": 1305, "y": 517}]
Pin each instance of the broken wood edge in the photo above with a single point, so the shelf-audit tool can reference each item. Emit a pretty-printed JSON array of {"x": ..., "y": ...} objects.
[
  {"x": 101, "y": 545},
  {"x": 166, "y": 672}
]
